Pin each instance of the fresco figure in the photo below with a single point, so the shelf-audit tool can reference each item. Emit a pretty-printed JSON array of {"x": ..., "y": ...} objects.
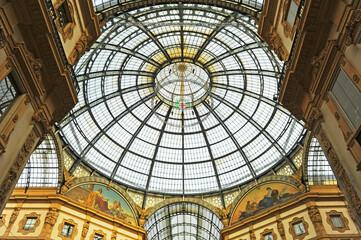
[
  {"x": 269, "y": 199},
  {"x": 96, "y": 200},
  {"x": 117, "y": 207},
  {"x": 263, "y": 197}
]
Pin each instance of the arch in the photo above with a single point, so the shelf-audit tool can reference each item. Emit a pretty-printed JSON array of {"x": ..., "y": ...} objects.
[{"x": 116, "y": 188}]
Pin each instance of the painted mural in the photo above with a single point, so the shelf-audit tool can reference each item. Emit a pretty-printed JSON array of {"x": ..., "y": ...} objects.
[
  {"x": 264, "y": 197},
  {"x": 102, "y": 199}
]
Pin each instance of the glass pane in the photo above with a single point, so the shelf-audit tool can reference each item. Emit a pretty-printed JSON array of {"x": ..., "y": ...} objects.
[
  {"x": 337, "y": 221},
  {"x": 348, "y": 97},
  {"x": 7, "y": 94}
]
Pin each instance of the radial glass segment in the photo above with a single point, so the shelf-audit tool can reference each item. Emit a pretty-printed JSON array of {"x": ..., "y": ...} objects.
[{"x": 179, "y": 99}]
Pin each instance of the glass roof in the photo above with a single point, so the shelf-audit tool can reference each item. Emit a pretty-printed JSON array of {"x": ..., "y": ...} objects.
[
  {"x": 42, "y": 168},
  {"x": 182, "y": 221},
  {"x": 179, "y": 99},
  {"x": 101, "y": 5},
  {"x": 318, "y": 167}
]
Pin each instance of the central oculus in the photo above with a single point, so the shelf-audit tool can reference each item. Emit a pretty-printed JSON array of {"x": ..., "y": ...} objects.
[{"x": 182, "y": 85}]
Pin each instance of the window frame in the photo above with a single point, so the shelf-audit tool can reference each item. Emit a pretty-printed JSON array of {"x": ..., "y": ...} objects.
[
  {"x": 73, "y": 233},
  {"x": 23, "y": 222},
  {"x": 289, "y": 30},
  {"x": 343, "y": 219},
  {"x": 292, "y": 230},
  {"x": 98, "y": 232},
  {"x": 266, "y": 232},
  {"x": 66, "y": 31}
]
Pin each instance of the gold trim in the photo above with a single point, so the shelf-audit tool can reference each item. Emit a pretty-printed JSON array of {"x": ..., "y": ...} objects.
[
  {"x": 73, "y": 233},
  {"x": 268, "y": 231},
  {"x": 344, "y": 221},
  {"x": 292, "y": 228},
  {"x": 23, "y": 222}
]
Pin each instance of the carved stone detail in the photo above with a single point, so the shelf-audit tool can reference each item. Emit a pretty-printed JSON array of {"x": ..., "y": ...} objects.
[
  {"x": 85, "y": 230},
  {"x": 316, "y": 218},
  {"x": 2, "y": 39},
  {"x": 35, "y": 65},
  {"x": 351, "y": 26},
  {"x": 348, "y": 189},
  {"x": 252, "y": 236},
  {"x": 314, "y": 117},
  {"x": 16, "y": 169},
  {"x": 51, "y": 217},
  {"x": 224, "y": 212},
  {"x": 143, "y": 213},
  {"x": 41, "y": 120},
  {"x": 317, "y": 63},
  {"x": 356, "y": 78},
  {"x": 281, "y": 229},
  {"x": 14, "y": 216},
  {"x": 80, "y": 48},
  {"x": 68, "y": 181},
  {"x": 114, "y": 235},
  {"x": 297, "y": 178},
  {"x": 275, "y": 43}
]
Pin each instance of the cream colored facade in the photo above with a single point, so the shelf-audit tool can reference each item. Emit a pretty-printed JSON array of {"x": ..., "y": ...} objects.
[
  {"x": 312, "y": 209},
  {"x": 52, "y": 211}
]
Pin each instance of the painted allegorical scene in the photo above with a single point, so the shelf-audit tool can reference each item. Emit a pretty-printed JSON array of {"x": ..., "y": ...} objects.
[
  {"x": 102, "y": 199},
  {"x": 264, "y": 197}
]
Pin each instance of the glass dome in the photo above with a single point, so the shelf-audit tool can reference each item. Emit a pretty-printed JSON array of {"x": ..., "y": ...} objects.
[{"x": 179, "y": 99}]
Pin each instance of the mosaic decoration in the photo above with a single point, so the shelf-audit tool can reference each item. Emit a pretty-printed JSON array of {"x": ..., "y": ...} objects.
[
  {"x": 100, "y": 198},
  {"x": 264, "y": 197}
]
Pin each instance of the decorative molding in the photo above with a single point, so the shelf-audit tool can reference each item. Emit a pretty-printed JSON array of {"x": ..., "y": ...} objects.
[
  {"x": 16, "y": 169},
  {"x": 68, "y": 180},
  {"x": 100, "y": 232},
  {"x": 252, "y": 236},
  {"x": 114, "y": 236},
  {"x": 224, "y": 212},
  {"x": 23, "y": 222},
  {"x": 292, "y": 229},
  {"x": 275, "y": 43},
  {"x": 80, "y": 48},
  {"x": 85, "y": 230},
  {"x": 2, "y": 39},
  {"x": 41, "y": 120},
  {"x": 352, "y": 28},
  {"x": 73, "y": 233},
  {"x": 51, "y": 216},
  {"x": 68, "y": 30},
  {"x": 316, "y": 218},
  {"x": 35, "y": 68},
  {"x": 268, "y": 231},
  {"x": 346, "y": 184},
  {"x": 288, "y": 30},
  {"x": 344, "y": 221},
  {"x": 143, "y": 213},
  {"x": 281, "y": 229},
  {"x": 2, "y": 220}
]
